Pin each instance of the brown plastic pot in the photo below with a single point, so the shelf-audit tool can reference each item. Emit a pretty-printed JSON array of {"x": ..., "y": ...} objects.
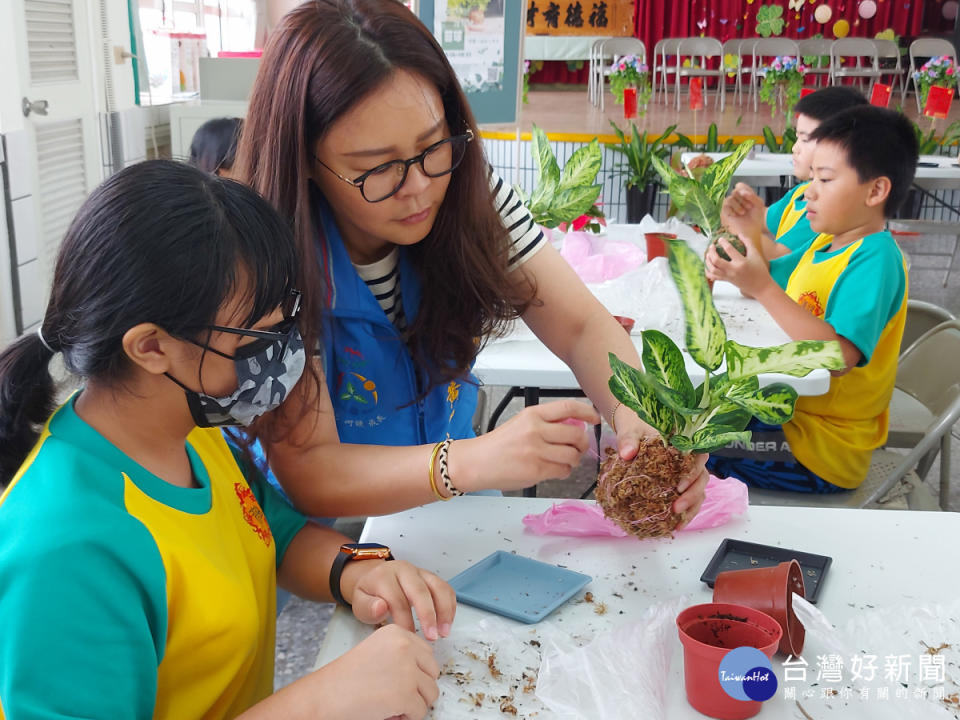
[
  {"x": 656, "y": 247},
  {"x": 625, "y": 322},
  {"x": 708, "y": 632},
  {"x": 769, "y": 590}
]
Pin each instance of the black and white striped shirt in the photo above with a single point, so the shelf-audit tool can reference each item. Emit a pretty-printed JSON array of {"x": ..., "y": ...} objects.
[{"x": 525, "y": 239}]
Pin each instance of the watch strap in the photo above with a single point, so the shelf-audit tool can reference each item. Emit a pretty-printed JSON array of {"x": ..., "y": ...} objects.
[{"x": 336, "y": 571}]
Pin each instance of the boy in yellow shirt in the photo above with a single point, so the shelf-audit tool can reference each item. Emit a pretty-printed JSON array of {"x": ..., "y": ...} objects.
[{"x": 848, "y": 284}]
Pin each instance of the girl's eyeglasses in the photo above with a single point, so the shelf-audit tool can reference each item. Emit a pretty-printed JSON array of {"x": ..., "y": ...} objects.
[
  {"x": 264, "y": 338},
  {"x": 385, "y": 180}
]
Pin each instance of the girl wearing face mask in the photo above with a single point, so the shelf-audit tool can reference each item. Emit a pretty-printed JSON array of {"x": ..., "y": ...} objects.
[
  {"x": 414, "y": 253},
  {"x": 139, "y": 562}
]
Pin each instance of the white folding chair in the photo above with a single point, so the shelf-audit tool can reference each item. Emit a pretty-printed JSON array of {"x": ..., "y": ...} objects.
[
  {"x": 663, "y": 51},
  {"x": 595, "y": 71},
  {"x": 818, "y": 48},
  {"x": 888, "y": 53},
  {"x": 921, "y": 50},
  {"x": 763, "y": 51},
  {"x": 742, "y": 48},
  {"x": 613, "y": 49},
  {"x": 703, "y": 48},
  {"x": 860, "y": 50}
]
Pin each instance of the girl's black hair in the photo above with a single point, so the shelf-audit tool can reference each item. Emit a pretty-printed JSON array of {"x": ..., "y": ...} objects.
[
  {"x": 214, "y": 144},
  {"x": 158, "y": 242}
]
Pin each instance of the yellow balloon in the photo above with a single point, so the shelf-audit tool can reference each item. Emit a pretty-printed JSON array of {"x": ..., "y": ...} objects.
[
  {"x": 841, "y": 28},
  {"x": 823, "y": 14}
]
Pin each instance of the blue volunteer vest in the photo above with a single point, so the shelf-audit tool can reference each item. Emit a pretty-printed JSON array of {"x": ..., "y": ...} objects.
[{"x": 370, "y": 373}]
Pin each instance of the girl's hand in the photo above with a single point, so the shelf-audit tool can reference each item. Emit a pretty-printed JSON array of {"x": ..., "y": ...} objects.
[
  {"x": 392, "y": 673},
  {"x": 534, "y": 445},
  {"x": 749, "y": 272},
  {"x": 691, "y": 490},
  {"x": 379, "y": 589},
  {"x": 630, "y": 429}
]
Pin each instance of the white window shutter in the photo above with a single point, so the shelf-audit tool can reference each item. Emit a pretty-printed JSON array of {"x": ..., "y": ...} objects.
[
  {"x": 51, "y": 42},
  {"x": 62, "y": 182}
]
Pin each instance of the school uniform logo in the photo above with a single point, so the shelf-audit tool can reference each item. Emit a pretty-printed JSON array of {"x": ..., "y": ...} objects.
[
  {"x": 811, "y": 301},
  {"x": 252, "y": 513}
]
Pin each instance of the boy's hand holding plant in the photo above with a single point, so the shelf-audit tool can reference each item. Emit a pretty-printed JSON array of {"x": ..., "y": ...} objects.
[
  {"x": 749, "y": 271},
  {"x": 744, "y": 213}
]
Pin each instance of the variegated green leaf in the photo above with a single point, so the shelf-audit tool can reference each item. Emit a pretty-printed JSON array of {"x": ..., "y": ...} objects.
[
  {"x": 583, "y": 166},
  {"x": 548, "y": 172},
  {"x": 628, "y": 386},
  {"x": 717, "y": 176},
  {"x": 572, "y": 203},
  {"x": 714, "y": 437},
  {"x": 772, "y": 404},
  {"x": 796, "y": 358},
  {"x": 663, "y": 360},
  {"x": 705, "y": 334}
]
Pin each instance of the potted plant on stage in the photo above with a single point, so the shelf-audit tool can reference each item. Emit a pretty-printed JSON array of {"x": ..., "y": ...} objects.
[
  {"x": 641, "y": 183},
  {"x": 782, "y": 81},
  {"x": 638, "y": 495},
  {"x": 937, "y": 72},
  {"x": 630, "y": 84}
]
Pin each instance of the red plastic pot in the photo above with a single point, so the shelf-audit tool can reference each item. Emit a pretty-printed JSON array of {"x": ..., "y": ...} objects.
[
  {"x": 656, "y": 247},
  {"x": 708, "y": 632},
  {"x": 625, "y": 322},
  {"x": 769, "y": 590}
]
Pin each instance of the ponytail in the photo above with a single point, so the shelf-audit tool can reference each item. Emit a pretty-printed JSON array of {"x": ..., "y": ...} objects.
[{"x": 27, "y": 397}]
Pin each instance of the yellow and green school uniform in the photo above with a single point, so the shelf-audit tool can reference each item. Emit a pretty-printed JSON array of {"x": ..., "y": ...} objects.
[
  {"x": 861, "y": 291},
  {"x": 788, "y": 224},
  {"x": 123, "y": 596}
]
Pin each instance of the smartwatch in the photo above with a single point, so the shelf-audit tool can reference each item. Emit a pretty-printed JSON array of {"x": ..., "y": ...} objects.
[{"x": 354, "y": 551}]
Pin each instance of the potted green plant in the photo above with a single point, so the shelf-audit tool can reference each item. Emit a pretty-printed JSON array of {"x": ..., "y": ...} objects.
[
  {"x": 638, "y": 495},
  {"x": 563, "y": 197},
  {"x": 631, "y": 71},
  {"x": 641, "y": 178}
]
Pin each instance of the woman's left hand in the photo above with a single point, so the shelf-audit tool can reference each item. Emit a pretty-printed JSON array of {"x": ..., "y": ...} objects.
[{"x": 395, "y": 589}]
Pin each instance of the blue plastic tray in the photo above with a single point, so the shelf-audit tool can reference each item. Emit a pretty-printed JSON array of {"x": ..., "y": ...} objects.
[{"x": 516, "y": 586}]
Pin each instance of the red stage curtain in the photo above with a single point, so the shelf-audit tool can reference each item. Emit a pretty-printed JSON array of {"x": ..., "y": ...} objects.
[{"x": 725, "y": 19}]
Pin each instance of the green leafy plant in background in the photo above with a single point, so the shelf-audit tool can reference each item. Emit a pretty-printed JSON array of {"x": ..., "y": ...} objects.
[
  {"x": 463, "y": 8},
  {"x": 562, "y": 197},
  {"x": 630, "y": 71},
  {"x": 639, "y": 494},
  {"x": 930, "y": 144},
  {"x": 782, "y": 81},
  {"x": 769, "y": 20},
  {"x": 699, "y": 199},
  {"x": 785, "y": 145},
  {"x": 638, "y": 150},
  {"x": 716, "y": 412}
]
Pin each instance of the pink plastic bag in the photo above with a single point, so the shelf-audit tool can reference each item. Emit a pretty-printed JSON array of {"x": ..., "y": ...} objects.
[
  {"x": 723, "y": 498},
  {"x": 596, "y": 259}
]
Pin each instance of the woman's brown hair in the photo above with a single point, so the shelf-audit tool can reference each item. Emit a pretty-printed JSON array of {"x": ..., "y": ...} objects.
[{"x": 320, "y": 61}]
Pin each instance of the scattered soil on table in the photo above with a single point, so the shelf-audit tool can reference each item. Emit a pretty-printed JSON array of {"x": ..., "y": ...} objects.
[
  {"x": 639, "y": 495},
  {"x": 492, "y": 664}
]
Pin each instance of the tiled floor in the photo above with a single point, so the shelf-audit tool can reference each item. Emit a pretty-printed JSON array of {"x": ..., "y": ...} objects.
[{"x": 301, "y": 625}]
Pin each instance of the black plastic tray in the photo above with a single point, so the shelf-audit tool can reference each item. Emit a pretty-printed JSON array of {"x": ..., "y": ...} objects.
[{"x": 740, "y": 555}]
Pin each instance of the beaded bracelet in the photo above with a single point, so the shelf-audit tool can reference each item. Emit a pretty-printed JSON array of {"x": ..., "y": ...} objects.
[
  {"x": 613, "y": 416},
  {"x": 445, "y": 471},
  {"x": 433, "y": 482}
]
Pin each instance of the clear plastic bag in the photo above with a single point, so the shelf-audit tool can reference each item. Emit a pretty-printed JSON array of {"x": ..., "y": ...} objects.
[
  {"x": 622, "y": 673},
  {"x": 723, "y": 498}
]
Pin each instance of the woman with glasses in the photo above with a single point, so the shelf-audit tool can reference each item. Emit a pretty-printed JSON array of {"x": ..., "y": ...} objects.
[
  {"x": 413, "y": 254},
  {"x": 139, "y": 556}
]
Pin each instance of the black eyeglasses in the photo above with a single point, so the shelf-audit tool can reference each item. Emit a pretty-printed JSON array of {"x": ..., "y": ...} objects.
[
  {"x": 264, "y": 338},
  {"x": 384, "y": 180}
]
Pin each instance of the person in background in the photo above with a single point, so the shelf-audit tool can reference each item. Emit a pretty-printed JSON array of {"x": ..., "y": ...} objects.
[
  {"x": 784, "y": 227},
  {"x": 847, "y": 284},
  {"x": 414, "y": 253},
  {"x": 138, "y": 555},
  {"x": 214, "y": 145}
]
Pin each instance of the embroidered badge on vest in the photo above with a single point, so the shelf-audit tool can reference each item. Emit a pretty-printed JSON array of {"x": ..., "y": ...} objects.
[
  {"x": 811, "y": 301},
  {"x": 252, "y": 512},
  {"x": 453, "y": 393}
]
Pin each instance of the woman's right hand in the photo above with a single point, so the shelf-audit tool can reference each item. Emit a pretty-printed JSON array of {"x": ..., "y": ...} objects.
[
  {"x": 534, "y": 445},
  {"x": 392, "y": 673}
]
